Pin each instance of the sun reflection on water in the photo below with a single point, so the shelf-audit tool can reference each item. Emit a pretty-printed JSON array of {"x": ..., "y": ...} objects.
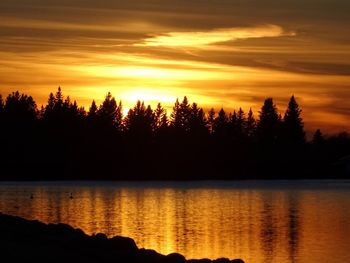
[{"x": 258, "y": 225}]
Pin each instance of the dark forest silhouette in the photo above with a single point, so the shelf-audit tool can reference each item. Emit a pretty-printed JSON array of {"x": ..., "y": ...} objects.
[{"x": 63, "y": 141}]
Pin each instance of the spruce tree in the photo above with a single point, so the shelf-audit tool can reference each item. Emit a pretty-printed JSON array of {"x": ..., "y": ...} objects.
[
  {"x": 1, "y": 104},
  {"x": 293, "y": 126},
  {"x": 50, "y": 104},
  {"x": 221, "y": 124},
  {"x": 268, "y": 127},
  {"x": 20, "y": 110},
  {"x": 108, "y": 111},
  {"x": 139, "y": 121},
  {"x": 250, "y": 124},
  {"x": 58, "y": 99},
  {"x": 180, "y": 115},
  {"x": 211, "y": 120},
  {"x": 92, "y": 110},
  {"x": 318, "y": 138},
  {"x": 197, "y": 121},
  {"x": 240, "y": 122},
  {"x": 1, "y": 107},
  {"x": 118, "y": 120},
  {"x": 160, "y": 121}
]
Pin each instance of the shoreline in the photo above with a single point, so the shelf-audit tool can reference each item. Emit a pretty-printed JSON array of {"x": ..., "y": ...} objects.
[{"x": 25, "y": 240}]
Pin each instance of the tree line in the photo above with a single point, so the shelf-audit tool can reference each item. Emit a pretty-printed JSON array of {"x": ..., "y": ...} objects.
[{"x": 62, "y": 140}]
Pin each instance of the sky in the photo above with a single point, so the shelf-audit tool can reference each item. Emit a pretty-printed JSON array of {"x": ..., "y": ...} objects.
[{"x": 219, "y": 53}]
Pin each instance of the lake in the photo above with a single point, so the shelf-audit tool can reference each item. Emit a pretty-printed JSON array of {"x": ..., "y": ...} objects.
[{"x": 258, "y": 221}]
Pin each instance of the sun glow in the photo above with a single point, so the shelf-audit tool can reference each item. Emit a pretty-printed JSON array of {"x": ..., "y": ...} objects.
[{"x": 148, "y": 96}]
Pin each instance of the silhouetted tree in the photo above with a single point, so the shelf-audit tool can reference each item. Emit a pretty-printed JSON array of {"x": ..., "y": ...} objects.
[
  {"x": 1, "y": 119},
  {"x": 293, "y": 126},
  {"x": 318, "y": 137},
  {"x": 221, "y": 124},
  {"x": 1, "y": 108},
  {"x": 110, "y": 113},
  {"x": 250, "y": 124},
  {"x": 50, "y": 106},
  {"x": 211, "y": 120},
  {"x": 61, "y": 113},
  {"x": 212, "y": 146},
  {"x": 268, "y": 127},
  {"x": 1, "y": 103},
  {"x": 81, "y": 111},
  {"x": 70, "y": 111},
  {"x": 59, "y": 99},
  {"x": 240, "y": 122},
  {"x": 92, "y": 113},
  {"x": 197, "y": 121},
  {"x": 118, "y": 121},
  {"x": 54, "y": 114},
  {"x": 180, "y": 115},
  {"x": 20, "y": 109},
  {"x": 18, "y": 133},
  {"x": 139, "y": 121},
  {"x": 160, "y": 118}
]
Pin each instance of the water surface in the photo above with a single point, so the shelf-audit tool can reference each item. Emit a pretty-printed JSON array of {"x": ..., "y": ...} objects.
[{"x": 260, "y": 222}]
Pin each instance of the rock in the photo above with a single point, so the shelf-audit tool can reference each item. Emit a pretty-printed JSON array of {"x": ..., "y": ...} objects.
[
  {"x": 203, "y": 260},
  {"x": 221, "y": 260},
  {"x": 149, "y": 256},
  {"x": 99, "y": 240},
  {"x": 25, "y": 240},
  {"x": 174, "y": 258},
  {"x": 100, "y": 237},
  {"x": 126, "y": 244}
]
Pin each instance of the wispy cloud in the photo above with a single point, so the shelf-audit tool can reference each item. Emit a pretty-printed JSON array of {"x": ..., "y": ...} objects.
[{"x": 203, "y": 38}]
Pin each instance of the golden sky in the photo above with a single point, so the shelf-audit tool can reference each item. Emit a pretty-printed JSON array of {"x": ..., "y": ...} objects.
[{"x": 222, "y": 53}]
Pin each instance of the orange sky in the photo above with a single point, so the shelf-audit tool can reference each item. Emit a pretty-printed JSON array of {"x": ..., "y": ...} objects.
[{"x": 218, "y": 53}]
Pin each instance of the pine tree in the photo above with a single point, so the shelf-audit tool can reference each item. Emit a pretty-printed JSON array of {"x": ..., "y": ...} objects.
[
  {"x": 53, "y": 109},
  {"x": 233, "y": 124},
  {"x": 175, "y": 115},
  {"x": 318, "y": 138},
  {"x": 268, "y": 127},
  {"x": 92, "y": 110},
  {"x": 59, "y": 99},
  {"x": 118, "y": 120},
  {"x": 211, "y": 120},
  {"x": 67, "y": 103},
  {"x": 41, "y": 112},
  {"x": 139, "y": 121},
  {"x": 108, "y": 111},
  {"x": 1, "y": 103},
  {"x": 240, "y": 122},
  {"x": 50, "y": 105},
  {"x": 1, "y": 107},
  {"x": 250, "y": 124},
  {"x": 293, "y": 127},
  {"x": 197, "y": 122},
  {"x": 82, "y": 112},
  {"x": 221, "y": 124},
  {"x": 20, "y": 109},
  {"x": 160, "y": 121},
  {"x": 180, "y": 115},
  {"x": 149, "y": 119}
]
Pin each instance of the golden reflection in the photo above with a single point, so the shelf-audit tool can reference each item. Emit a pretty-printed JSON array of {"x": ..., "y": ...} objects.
[{"x": 258, "y": 225}]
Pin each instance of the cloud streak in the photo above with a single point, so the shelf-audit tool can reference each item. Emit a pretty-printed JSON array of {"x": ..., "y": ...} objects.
[{"x": 202, "y": 38}]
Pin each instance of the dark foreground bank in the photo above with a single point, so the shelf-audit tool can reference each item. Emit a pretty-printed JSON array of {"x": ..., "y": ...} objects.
[{"x": 23, "y": 240}]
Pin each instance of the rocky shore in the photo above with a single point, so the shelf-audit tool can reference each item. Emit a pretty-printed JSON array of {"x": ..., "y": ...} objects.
[{"x": 24, "y": 240}]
